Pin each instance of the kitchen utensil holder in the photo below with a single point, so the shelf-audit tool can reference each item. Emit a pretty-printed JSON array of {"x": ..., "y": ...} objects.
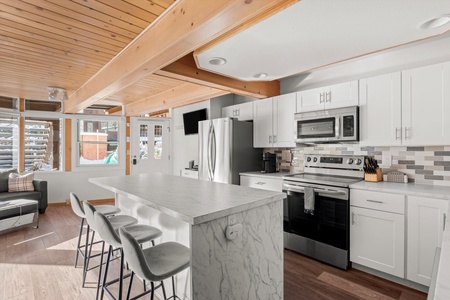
[{"x": 374, "y": 177}]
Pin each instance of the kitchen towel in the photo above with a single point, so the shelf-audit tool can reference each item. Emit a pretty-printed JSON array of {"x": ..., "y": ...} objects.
[{"x": 310, "y": 200}]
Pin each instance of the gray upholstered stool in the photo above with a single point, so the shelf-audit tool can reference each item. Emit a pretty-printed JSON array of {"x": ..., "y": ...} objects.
[
  {"x": 77, "y": 207},
  {"x": 116, "y": 221},
  {"x": 109, "y": 234},
  {"x": 155, "y": 263}
]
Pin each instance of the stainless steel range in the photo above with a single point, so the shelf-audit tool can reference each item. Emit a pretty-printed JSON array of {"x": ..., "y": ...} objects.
[{"x": 316, "y": 210}]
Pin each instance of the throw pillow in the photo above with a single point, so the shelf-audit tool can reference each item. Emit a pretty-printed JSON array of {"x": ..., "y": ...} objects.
[{"x": 21, "y": 182}]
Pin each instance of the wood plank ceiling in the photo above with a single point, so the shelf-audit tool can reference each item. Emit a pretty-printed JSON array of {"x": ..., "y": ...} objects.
[{"x": 65, "y": 43}]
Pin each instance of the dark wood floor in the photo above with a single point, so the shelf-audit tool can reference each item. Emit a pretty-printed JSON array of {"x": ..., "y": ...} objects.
[{"x": 38, "y": 264}]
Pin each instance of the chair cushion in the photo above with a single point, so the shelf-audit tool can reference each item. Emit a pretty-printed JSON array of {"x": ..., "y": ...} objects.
[
  {"x": 21, "y": 195},
  {"x": 4, "y": 178},
  {"x": 21, "y": 182}
]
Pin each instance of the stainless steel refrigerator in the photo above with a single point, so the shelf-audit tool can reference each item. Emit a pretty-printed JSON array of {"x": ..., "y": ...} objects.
[{"x": 225, "y": 149}]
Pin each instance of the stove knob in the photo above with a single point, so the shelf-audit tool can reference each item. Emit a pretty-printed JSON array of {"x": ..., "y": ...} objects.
[
  {"x": 359, "y": 161},
  {"x": 350, "y": 161},
  {"x": 308, "y": 159},
  {"x": 315, "y": 159}
]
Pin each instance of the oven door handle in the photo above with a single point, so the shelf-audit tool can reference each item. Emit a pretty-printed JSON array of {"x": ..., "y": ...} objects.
[{"x": 300, "y": 189}]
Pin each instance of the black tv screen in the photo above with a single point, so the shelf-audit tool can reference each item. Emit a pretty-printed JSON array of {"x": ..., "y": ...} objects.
[{"x": 191, "y": 119}]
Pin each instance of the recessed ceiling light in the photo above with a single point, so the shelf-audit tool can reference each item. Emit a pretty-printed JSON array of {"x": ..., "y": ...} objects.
[
  {"x": 217, "y": 61},
  {"x": 436, "y": 22},
  {"x": 260, "y": 75}
]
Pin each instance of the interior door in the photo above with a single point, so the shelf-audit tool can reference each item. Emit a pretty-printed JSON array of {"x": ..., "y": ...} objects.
[{"x": 150, "y": 145}]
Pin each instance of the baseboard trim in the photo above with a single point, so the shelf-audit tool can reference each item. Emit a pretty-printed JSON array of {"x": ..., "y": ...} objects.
[{"x": 94, "y": 201}]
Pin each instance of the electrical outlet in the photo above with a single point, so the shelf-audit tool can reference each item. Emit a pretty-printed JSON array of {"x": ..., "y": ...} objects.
[
  {"x": 232, "y": 220},
  {"x": 387, "y": 160},
  {"x": 67, "y": 201},
  {"x": 233, "y": 232}
]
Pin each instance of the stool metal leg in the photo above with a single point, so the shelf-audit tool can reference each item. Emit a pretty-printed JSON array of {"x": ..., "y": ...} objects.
[
  {"x": 88, "y": 258},
  {"x": 85, "y": 254},
  {"x": 121, "y": 274},
  {"x": 129, "y": 287},
  {"x": 79, "y": 241},
  {"x": 153, "y": 290},
  {"x": 106, "y": 273},
  {"x": 100, "y": 271}
]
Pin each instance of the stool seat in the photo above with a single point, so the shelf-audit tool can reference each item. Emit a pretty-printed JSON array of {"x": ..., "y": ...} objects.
[
  {"x": 166, "y": 259},
  {"x": 108, "y": 209},
  {"x": 143, "y": 233},
  {"x": 121, "y": 221}
]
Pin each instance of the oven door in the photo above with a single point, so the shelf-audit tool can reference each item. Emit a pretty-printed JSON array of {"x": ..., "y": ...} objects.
[{"x": 329, "y": 224}]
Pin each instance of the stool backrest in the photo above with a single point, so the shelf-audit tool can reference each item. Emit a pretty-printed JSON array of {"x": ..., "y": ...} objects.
[
  {"x": 106, "y": 231},
  {"x": 134, "y": 255},
  {"x": 75, "y": 203},
  {"x": 89, "y": 211}
]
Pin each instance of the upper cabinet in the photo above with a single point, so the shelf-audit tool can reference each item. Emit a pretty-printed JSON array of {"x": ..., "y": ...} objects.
[
  {"x": 333, "y": 96},
  {"x": 425, "y": 105},
  {"x": 273, "y": 122},
  {"x": 380, "y": 109},
  {"x": 243, "y": 112},
  {"x": 406, "y": 108}
]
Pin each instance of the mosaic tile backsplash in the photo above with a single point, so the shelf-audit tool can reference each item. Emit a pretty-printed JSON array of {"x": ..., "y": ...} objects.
[{"x": 423, "y": 165}]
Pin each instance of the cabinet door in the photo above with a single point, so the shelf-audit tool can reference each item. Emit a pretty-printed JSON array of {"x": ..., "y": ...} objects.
[
  {"x": 377, "y": 240},
  {"x": 283, "y": 120},
  {"x": 271, "y": 184},
  {"x": 426, "y": 217},
  {"x": 228, "y": 112},
  {"x": 189, "y": 173},
  {"x": 244, "y": 111},
  {"x": 425, "y": 105},
  {"x": 262, "y": 123},
  {"x": 380, "y": 110},
  {"x": 341, "y": 95},
  {"x": 310, "y": 100}
]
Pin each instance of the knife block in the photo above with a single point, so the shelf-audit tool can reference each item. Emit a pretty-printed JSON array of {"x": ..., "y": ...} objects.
[{"x": 374, "y": 177}]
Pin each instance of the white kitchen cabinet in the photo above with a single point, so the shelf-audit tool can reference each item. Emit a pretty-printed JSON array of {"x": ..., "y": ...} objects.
[
  {"x": 333, "y": 96},
  {"x": 189, "y": 173},
  {"x": 243, "y": 112},
  {"x": 377, "y": 231},
  {"x": 380, "y": 110},
  {"x": 273, "y": 123},
  {"x": 425, "y": 105},
  {"x": 264, "y": 183},
  {"x": 426, "y": 221}
]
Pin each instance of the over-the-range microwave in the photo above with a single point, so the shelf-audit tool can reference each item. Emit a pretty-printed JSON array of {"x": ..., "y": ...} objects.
[{"x": 339, "y": 125}]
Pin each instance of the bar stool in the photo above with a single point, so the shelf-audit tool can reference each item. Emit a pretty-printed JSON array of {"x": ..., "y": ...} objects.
[
  {"x": 117, "y": 222},
  {"x": 155, "y": 263},
  {"x": 140, "y": 232}
]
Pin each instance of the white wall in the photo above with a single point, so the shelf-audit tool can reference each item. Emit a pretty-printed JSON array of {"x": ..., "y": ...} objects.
[{"x": 60, "y": 184}]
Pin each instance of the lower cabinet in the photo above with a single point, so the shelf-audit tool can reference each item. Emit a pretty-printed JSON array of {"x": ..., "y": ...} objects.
[
  {"x": 189, "y": 173},
  {"x": 426, "y": 224},
  {"x": 377, "y": 231},
  {"x": 264, "y": 183}
]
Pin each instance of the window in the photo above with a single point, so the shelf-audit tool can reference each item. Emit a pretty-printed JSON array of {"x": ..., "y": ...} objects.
[
  {"x": 98, "y": 142},
  {"x": 9, "y": 142},
  {"x": 143, "y": 141},
  {"x": 9, "y": 103},
  {"x": 158, "y": 142},
  {"x": 42, "y": 105},
  {"x": 42, "y": 144}
]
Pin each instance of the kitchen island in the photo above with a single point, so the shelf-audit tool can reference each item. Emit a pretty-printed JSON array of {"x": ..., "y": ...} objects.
[{"x": 197, "y": 214}]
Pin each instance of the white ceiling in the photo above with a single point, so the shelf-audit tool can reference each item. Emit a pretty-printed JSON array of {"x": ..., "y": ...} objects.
[{"x": 314, "y": 33}]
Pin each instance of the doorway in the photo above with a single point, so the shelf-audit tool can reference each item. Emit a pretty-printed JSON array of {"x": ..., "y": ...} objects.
[{"x": 150, "y": 145}]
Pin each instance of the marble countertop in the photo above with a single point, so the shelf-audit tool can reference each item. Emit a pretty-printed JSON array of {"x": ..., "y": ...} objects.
[
  {"x": 411, "y": 189},
  {"x": 191, "y": 200},
  {"x": 442, "y": 291},
  {"x": 276, "y": 175}
]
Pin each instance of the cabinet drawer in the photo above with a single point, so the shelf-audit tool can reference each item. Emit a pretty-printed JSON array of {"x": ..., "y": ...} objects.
[
  {"x": 189, "y": 173},
  {"x": 380, "y": 201},
  {"x": 270, "y": 184}
]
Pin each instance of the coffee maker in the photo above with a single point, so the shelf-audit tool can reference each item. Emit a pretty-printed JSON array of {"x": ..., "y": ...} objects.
[{"x": 269, "y": 163}]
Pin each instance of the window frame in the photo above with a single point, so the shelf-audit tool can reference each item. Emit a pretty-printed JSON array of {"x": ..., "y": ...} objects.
[{"x": 121, "y": 141}]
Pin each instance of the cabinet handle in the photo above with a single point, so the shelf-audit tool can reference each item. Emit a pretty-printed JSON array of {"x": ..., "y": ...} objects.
[
  {"x": 407, "y": 133},
  {"x": 328, "y": 97},
  {"x": 274, "y": 138},
  {"x": 260, "y": 183},
  {"x": 270, "y": 139},
  {"x": 445, "y": 220},
  {"x": 238, "y": 112},
  {"x": 374, "y": 201},
  {"x": 353, "y": 218},
  {"x": 397, "y": 131},
  {"x": 321, "y": 98}
]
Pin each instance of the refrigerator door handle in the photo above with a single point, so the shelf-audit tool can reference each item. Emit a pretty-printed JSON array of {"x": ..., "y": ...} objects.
[
  {"x": 208, "y": 152},
  {"x": 214, "y": 153}
]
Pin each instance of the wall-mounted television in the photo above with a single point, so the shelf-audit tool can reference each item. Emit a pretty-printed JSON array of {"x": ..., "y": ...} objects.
[{"x": 191, "y": 119}]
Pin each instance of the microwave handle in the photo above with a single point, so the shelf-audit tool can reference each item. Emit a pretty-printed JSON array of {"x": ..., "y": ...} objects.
[{"x": 337, "y": 127}]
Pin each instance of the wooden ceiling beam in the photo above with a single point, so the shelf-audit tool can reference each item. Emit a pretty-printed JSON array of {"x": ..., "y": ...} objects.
[
  {"x": 117, "y": 110},
  {"x": 187, "y": 93},
  {"x": 182, "y": 28},
  {"x": 186, "y": 69}
]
